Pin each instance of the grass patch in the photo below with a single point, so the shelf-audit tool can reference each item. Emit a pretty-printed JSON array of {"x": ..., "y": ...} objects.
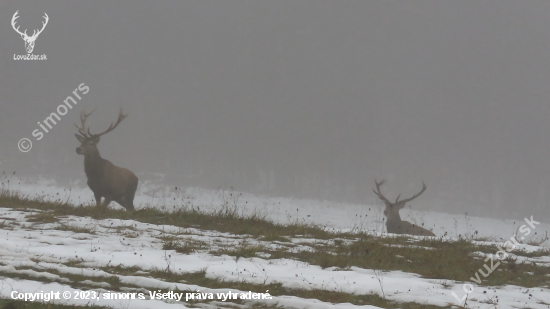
[
  {"x": 7, "y": 224},
  {"x": 76, "y": 228},
  {"x": 243, "y": 250},
  {"x": 42, "y": 217},
  {"x": 277, "y": 289},
  {"x": 447, "y": 260},
  {"x": 429, "y": 257},
  {"x": 276, "y": 238},
  {"x": 225, "y": 219},
  {"x": 199, "y": 278},
  {"x": 185, "y": 246}
]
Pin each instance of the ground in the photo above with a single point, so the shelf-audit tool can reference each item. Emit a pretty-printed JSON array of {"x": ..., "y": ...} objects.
[{"x": 221, "y": 241}]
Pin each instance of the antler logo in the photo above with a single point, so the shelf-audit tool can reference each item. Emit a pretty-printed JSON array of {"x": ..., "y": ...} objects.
[{"x": 29, "y": 40}]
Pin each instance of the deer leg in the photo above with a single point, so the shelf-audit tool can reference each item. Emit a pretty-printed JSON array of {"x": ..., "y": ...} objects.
[
  {"x": 122, "y": 201},
  {"x": 106, "y": 202},
  {"x": 130, "y": 194},
  {"x": 129, "y": 199},
  {"x": 97, "y": 200}
]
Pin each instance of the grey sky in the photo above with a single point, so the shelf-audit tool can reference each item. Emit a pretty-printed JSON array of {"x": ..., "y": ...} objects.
[{"x": 295, "y": 98}]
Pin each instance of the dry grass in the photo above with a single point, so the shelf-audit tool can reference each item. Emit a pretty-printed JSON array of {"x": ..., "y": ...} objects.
[{"x": 433, "y": 258}]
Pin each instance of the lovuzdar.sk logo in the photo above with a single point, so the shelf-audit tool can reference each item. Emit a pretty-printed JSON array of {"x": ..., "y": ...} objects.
[{"x": 29, "y": 40}]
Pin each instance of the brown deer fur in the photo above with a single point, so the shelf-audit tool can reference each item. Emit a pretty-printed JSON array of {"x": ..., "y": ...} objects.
[
  {"x": 104, "y": 178},
  {"x": 394, "y": 224}
]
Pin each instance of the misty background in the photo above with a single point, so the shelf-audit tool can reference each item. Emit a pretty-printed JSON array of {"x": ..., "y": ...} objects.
[{"x": 307, "y": 99}]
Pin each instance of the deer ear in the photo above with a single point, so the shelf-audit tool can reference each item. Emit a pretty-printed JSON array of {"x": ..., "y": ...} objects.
[
  {"x": 95, "y": 139},
  {"x": 79, "y": 138}
]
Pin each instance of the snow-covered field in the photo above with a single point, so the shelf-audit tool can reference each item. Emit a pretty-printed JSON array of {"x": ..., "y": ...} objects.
[
  {"x": 339, "y": 216},
  {"x": 43, "y": 250}
]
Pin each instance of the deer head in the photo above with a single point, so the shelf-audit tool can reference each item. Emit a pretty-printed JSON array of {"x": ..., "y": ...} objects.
[
  {"x": 392, "y": 208},
  {"x": 29, "y": 40},
  {"x": 88, "y": 140}
]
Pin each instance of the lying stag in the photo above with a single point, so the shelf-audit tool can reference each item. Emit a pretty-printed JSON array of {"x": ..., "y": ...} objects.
[
  {"x": 394, "y": 224},
  {"x": 104, "y": 178}
]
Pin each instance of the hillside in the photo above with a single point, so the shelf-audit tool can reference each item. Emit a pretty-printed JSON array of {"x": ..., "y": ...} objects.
[{"x": 52, "y": 243}]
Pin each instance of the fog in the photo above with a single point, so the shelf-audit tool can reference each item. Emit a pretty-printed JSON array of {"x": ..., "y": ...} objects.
[{"x": 306, "y": 99}]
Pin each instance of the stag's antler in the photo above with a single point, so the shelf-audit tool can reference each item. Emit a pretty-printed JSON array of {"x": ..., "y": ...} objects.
[
  {"x": 44, "y": 23},
  {"x": 414, "y": 196},
  {"x": 397, "y": 201},
  {"x": 83, "y": 117},
  {"x": 378, "y": 193},
  {"x": 121, "y": 117},
  {"x": 15, "y": 16},
  {"x": 24, "y": 34}
]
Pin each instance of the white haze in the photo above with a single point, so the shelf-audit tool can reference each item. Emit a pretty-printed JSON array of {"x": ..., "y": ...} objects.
[{"x": 299, "y": 99}]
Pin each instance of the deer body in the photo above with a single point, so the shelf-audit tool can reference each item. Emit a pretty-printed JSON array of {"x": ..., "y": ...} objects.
[
  {"x": 105, "y": 179},
  {"x": 394, "y": 224}
]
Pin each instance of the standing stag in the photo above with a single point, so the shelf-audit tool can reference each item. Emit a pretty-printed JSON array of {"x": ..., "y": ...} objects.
[
  {"x": 394, "y": 224},
  {"x": 104, "y": 178}
]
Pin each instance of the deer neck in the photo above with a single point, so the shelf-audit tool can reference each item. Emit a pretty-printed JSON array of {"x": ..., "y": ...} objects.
[
  {"x": 394, "y": 220},
  {"x": 93, "y": 163},
  {"x": 394, "y": 224},
  {"x": 393, "y": 217}
]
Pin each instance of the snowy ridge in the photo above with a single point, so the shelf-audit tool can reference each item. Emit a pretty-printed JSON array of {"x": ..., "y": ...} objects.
[
  {"x": 338, "y": 216},
  {"x": 46, "y": 251}
]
